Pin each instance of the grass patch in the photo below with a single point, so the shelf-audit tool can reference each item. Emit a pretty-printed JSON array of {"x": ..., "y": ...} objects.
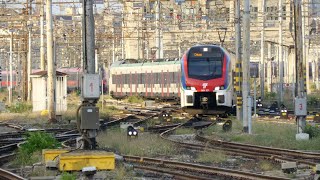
[
  {"x": 135, "y": 99},
  {"x": 211, "y": 157},
  {"x": 68, "y": 176},
  {"x": 145, "y": 145},
  {"x": 107, "y": 111},
  {"x": 36, "y": 141},
  {"x": 20, "y": 107},
  {"x": 267, "y": 166},
  {"x": 265, "y": 134},
  {"x": 122, "y": 173},
  {"x": 181, "y": 131}
]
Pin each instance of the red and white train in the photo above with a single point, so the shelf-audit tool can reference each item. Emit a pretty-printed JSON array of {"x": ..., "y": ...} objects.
[{"x": 202, "y": 80}]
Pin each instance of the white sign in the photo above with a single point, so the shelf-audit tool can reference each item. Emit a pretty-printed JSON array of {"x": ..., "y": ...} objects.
[{"x": 91, "y": 86}]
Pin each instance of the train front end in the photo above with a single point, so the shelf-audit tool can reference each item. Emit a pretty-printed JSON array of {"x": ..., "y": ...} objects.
[{"x": 206, "y": 80}]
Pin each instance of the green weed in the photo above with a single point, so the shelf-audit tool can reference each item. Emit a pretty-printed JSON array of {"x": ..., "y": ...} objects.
[
  {"x": 68, "y": 176},
  {"x": 20, "y": 107},
  {"x": 181, "y": 131},
  {"x": 135, "y": 99},
  {"x": 36, "y": 141},
  {"x": 211, "y": 157},
  {"x": 266, "y": 134},
  {"x": 145, "y": 145}
]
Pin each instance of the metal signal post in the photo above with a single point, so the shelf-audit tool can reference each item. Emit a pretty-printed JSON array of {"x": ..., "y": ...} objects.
[
  {"x": 300, "y": 100},
  {"x": 88, "y": 120}
]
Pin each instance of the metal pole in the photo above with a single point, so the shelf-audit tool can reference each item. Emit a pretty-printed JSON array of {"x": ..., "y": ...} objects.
[
  {"x": 262, "y": 69},
  {"x": 51, "y": 71},
  {"x": 246, "y": 63},
  {"x": 29, "y": 66},
  {"x": 89, "y": 35},
  {"x": 300, "y": 90},
  {"x": 122, "y": 36},
  {"x": 113, "y": 46},
  {"x": 280, "y": 54},
  {"x": 138, "y": 40},
  {"x": 238, "y": 72},
  {"x": 255, "y": 97},
  {"x": 158, "y": 38},
  {"x": 269, "y": 69},
  {"x": 42, "y": 58},
  {"x": 10, "y": 67}
]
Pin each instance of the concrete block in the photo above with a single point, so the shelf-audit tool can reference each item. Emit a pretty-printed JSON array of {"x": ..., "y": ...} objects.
[
  {"x": 149, "y": 103},
  {"x": 302, "y": 136},
  {"x": 76, "y": 161},
  {"x": 289, "y": 167},
  {"x": 51, "y": 164},
  {"x": 89, "y": 171},
  {"x": 318, "y": 169},
  {"x": 125, "y": 125}
]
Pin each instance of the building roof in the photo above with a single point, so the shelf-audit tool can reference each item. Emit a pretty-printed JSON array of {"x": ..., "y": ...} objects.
[{"x": 44, "y": 73}]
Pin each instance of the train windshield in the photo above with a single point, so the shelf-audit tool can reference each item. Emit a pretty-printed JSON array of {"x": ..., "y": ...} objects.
[{"x": 205, "y": 63}]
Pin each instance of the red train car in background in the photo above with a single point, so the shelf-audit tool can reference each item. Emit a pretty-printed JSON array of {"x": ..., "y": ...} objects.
[{"x": 73, "y": 83}]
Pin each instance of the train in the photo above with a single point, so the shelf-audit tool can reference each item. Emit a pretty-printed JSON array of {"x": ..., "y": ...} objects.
[
  {"x": 201, "y": 80},
  {"x": 74, "y": 75}
]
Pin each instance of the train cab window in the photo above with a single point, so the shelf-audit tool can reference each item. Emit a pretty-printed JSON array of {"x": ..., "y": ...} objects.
[{"x": 205, "y": 63}]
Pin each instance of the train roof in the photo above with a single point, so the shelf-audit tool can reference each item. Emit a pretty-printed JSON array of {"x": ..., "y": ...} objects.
[{"x": 135, "y": 63}]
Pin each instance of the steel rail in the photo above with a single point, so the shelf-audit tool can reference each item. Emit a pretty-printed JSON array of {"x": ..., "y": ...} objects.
[
  {"x": 200, "y": 168},
  {"x": 177, "y": 175},
  {"x": 261, "y": 149},
  {"x": 4, "y": 174}
]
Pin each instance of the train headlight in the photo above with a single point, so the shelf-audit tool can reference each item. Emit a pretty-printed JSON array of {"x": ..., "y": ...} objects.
[
  {"x": 219, "y": 88},
  {"x": 191, "y": 88}
]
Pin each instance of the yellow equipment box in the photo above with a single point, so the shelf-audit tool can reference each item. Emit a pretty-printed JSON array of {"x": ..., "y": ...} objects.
[
  {"x": 52, "y": 154},
  {"x": 75, "y": 161}
]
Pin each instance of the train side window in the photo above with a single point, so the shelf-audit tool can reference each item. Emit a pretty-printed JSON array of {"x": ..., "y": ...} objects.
[
  {"x": 127, "y": 79},
  {"x": 143, "y": 78}
]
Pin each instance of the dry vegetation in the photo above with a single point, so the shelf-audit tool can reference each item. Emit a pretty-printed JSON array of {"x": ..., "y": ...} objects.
[
  {"x": 145, "y": 145},
  {"x": 265, "y": 134}
]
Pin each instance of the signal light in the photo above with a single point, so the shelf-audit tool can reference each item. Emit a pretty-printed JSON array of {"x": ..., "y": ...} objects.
[
  {"x": 0, "y": 73},
  {"x": 132, "y": 132}
]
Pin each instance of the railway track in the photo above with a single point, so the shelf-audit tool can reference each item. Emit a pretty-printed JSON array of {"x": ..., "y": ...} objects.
[
  {"x": 9, "y": 175},
  {"x": 188, "y": 170},
  {"x": 276, "y": 153}
]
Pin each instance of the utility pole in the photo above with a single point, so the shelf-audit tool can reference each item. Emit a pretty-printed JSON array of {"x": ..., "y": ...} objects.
[
  {"x": 122, "y": 35},
  {"x": 246, "y": 68},
  {"x": 51, "y": 68},
  {"x": 262, "y": 60},
  {"x": 238, "y": 70},
  {"x": 113, "y": 46},
  {"x": 158, "y": 31},
  {"x": 42, "y": 59},
  {"x": 280, "y": 99},
  {"x": 10, "y": 66},
  {"x": 29, "y": 62},
  {"x": 300, "y": 101}
]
